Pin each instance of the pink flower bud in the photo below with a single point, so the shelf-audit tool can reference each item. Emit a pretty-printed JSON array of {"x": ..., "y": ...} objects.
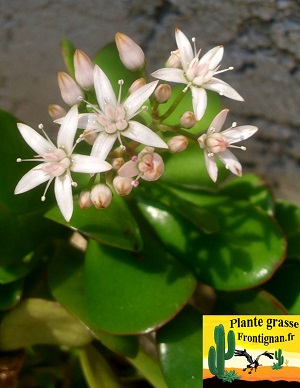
[
  {"x": 56, "y": 111},
  {"x": 101, "y": 196},
  {"x": 84, "y": 69},
  {"x": 117, "y": 163},
  {"x": 174, "y": 60},
  {"x": 69, "y": 89},
  {"x": 163, "y": 93},
  {"x": 188, "y": 119},
  {"x": 123, "y": 186},
  {"x": 178, "y": 143},
  {"x": 131, "y": 55},
  {"x": 137, "y": 84},
  {"x": 84, "y": 200}
]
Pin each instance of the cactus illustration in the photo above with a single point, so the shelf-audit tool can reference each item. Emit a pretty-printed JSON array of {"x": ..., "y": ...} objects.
[
  {"x": 279, "y": 357},
  {"x": 217, "y": 356},
  {"x": 286, "y": 362}
]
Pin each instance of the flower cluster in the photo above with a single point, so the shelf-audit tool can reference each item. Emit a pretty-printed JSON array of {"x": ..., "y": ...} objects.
[{"x": 124, "y": 146}]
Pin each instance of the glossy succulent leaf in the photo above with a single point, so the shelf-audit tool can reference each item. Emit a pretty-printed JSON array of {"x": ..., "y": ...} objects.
[
  {"x": 247, "y": 241},
  {"x": 255, "y": 301},
  {"x": 66, "y": 282},
  {"x": 67, "y": 51},
  {"x": 130, "y": 293},
  {"x": 38, "y": 321},
  {"x": 114, "y": 225},
  {"x": 180, "y": 349},
  {"x": 188, "y": 169},
  {"x": 109, "y": 61},
  {"x": 285, "y": 286},
  {"x": 288, "y": 216},
  {"x": 96, "y": 369},
  {"x": 10, "y": 294},
  {"x": 250, "y": 188}
]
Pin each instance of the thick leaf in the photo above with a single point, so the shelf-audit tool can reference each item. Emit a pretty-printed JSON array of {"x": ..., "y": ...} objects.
[
  {"x": 288, "y": 216},
  {"x": 131, "y": 293},
  {"x": 244, "y": 251},
  {"x": 255, "y": 301},
  {"x": 10, "y": 294},
  {"x": 38, "y": 321},
  {"x": 66, "y": 282},
  {"x": 96, "y": 370},
  {"x": 285, "y": 286},
  {"x": 109, "y": 61},
  {"x": 114, "y": 225},
  {"x": 180, "y": 349},
  {"x": 250, "y": 188}
]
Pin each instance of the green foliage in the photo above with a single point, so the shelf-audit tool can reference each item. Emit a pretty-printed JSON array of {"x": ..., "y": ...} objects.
[
  {"x": 217, "y": 355},
  {"x": 230, "y": 376}
]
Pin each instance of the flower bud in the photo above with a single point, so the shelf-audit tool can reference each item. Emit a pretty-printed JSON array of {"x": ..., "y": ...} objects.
[
  {"x": 178, "y": 143},
  {"x": 56, "y": 111},
  {"x": 84, "y": 69},
  {"x": 89, "y": 135},
  {"x": 122, "y": 185},
  {"x": 84, "y": 200},
  {"x": 117, "y": 163},
  {"x": 162, "y": 93},
  {"x": 174, "y": 60},
  {"x": 188, "y": 119},
  {"x": 137, "y": 84},
  {"x": 101, "y": 196},
  {"x": 69, "y": 89},
  {"x": 131, "y": 55}
]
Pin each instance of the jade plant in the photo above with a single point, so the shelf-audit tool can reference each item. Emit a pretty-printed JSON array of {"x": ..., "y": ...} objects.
[{"x": 217, "y": 355}]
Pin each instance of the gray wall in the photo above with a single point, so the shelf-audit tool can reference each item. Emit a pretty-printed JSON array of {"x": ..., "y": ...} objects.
[{"x": 261, "y": 39}]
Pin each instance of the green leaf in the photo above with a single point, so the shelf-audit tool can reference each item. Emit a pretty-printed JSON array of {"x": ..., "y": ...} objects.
[
  {"x": 67, "y": 52},
  {"x": 247, "y": 241},
  {"x": 114, "y": 225},
  {"x": 285, "y": 286},
  {"x": 38, "y": 321},
  {"x": 251, "y": 188},
  {"x": 180, "y": 349},
  {"x": 109, "y": 61},
  {"x": 66, "y": 283},
  {"x": 255, "y": 301},
  {"x": 96, "y": 369},
  {"x": 10, "y": 294},
  {"x": 288, "y": 216},
  {"x": 129, "y": 293}
]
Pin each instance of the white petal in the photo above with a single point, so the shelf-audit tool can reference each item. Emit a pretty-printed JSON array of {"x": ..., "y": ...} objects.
[
  {"x": 129, "y": 170},
  {"x": 211, "y": 166},
  {"x": 185, "y": 49},
  {"x": 103, "y": 145},
  {"x": 104, "y": 91},
  {"x": 144, "y": 135},
  {"x": 199, "y": 101},
  {"x": 222, "y": 88},
  {"x": 37, "y": 142},
  {"x": 239, "y": 133},
  {"x": 213, "y": 56},
  {"x": 88, "y": 164},
  {"x": 230, "y": 162},
  {"x": 63, "y": 195},
  {"x": 89, "y": 121},
  {"x": 137, "y": 98},
  {"x": 67, "y": 131},
  {"x": 219, "y": 120},
  {"x": 170, "y": 74},
  {"x": 31, "y": 179}
]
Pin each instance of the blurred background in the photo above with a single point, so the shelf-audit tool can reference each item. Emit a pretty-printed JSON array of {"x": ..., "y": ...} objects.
[{"x": 261, "y": 39}]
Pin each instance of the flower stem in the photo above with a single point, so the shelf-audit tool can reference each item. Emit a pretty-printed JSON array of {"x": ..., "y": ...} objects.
[{"x": 172, "y": 107}]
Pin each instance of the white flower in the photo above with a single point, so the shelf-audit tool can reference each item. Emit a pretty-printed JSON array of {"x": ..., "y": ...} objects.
[
  {"x": 113, "y": 119},
  {"x": 57, "y": 162},
  {"x": 216, "y": 142},
  {"x": 197, "y": 74}
]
